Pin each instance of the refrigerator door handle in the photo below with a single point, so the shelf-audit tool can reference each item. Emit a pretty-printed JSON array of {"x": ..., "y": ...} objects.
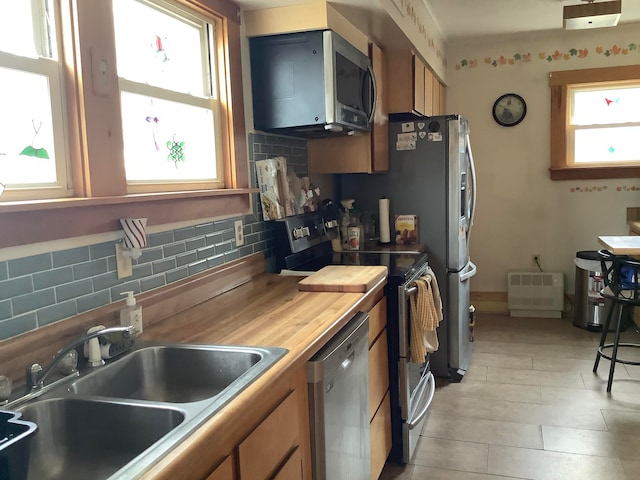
[
  {"x": 472, "y": 271},
  {"x": 473, "y": 180}
]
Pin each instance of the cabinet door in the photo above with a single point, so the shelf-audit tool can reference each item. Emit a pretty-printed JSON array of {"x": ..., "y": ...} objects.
[
  {"x": 378, "y": 373},
  {"x": 292, "y": 468},
  {"x": 419, "y": 97},
  {"x": 436, "y": 97},
  {"x": 428, "y": 92},
  {"x": 442, "y": 92},
  {"x": 270, "y": 443},
  {"x": 380, "y": 437},
  {"x": 224, "y": 471},
  {"x": 380, "y": 126},
  {"x": 377, "y": 320}
]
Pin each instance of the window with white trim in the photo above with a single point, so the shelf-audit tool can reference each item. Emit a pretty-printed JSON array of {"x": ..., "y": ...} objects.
[
  {"x": 33, "y": 155},
  {"x": 595, "y": 123},
  {"x": 169, "y": 96}
]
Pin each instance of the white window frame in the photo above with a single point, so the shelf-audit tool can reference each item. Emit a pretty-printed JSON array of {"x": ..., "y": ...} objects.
[
  {"x": 52, "y": 69},
  {"x": 211, "y": 81},
  {"x": 562, "y": 166}
]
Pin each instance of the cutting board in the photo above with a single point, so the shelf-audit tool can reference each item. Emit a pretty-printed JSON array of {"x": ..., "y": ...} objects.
[{"x": 343, "y": 278}]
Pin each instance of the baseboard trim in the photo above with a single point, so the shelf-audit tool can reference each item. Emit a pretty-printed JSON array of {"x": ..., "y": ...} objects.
[{"x": 489, "y": 302}]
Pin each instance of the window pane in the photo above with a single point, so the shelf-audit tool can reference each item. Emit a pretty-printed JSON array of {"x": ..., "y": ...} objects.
[
  {"x": 27, "y": 154},
  {"x": 607, "y": 145},
  {"x": 619, "y": 105},
  {"x": 25, "y": 28},
  {"x": 165, "y": 141},
  {"x": 158, "y": 48}
]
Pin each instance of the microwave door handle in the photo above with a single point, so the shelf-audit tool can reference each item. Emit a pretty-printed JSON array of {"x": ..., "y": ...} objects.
[{"x": 374, "y": 95}]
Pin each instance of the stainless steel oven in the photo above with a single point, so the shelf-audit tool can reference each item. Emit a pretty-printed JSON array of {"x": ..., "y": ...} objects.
[{"x": 416, "y": 382}]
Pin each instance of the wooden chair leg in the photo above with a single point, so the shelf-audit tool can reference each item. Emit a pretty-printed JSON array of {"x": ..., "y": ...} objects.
[
  {"x": 603, "y": 338},
  {"x": 614, "y": 354}
]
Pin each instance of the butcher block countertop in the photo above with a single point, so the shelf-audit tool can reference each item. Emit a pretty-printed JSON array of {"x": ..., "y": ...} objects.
[{"x": 268, "y": 311}]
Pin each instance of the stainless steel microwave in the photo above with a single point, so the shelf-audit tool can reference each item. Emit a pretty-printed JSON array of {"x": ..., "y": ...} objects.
[{"x": 310, "y": 84}]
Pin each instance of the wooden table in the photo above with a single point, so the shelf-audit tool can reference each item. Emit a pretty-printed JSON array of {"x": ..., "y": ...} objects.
[{"x": 621, "y": 245}]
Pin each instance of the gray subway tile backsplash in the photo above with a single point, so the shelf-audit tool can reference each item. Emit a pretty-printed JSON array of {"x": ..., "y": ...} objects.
[
  {"x": 70, "y": 257},
  {"x": 74, "y": 290},
  {"x": 41, "y": 289},
  {"x": 17, "y": 325},
  {"x": 51, "y": 278},
  {"x": 33, "y": 301},
  {"x": 16, "y": 286},
  {"x": 57, "y": 312},
  {"x": 5, "y": 309},
  {"x": 27, "y": 265}
]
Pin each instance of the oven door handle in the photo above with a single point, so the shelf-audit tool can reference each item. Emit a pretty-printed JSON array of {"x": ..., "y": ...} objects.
[{"x": 412, "y": 422}]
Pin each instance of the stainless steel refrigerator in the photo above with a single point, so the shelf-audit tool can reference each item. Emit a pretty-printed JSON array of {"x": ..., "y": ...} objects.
[{"x": 432, "y": 175}]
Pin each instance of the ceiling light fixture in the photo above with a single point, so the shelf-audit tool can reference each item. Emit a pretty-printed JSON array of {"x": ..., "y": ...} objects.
[{"x": 592, "y": 15}]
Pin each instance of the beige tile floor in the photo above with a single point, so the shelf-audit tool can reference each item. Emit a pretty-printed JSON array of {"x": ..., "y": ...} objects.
[{"x": 530, "y": 407}]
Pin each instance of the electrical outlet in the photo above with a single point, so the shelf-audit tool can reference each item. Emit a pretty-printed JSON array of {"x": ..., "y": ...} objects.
[
  {"x": 535, "y": 259},
  {"x": 239, "y": 235},
  {"x": 123, "y": 262}
]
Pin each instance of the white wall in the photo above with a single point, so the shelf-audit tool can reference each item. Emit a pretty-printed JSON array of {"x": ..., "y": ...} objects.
[{"x": 520, "y": 211}]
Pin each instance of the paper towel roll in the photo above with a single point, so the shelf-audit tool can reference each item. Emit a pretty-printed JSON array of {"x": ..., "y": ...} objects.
[{"x": 383, "y": 215}]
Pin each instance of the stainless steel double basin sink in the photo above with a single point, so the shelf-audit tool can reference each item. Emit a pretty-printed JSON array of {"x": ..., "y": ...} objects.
[{"x": 117, "y": 420}]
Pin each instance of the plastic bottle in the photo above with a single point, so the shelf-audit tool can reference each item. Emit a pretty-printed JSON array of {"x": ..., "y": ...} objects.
[{"x": 131, "y": 314}]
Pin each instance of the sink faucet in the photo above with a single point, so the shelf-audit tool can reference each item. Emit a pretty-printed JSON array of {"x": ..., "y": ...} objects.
[{"x": 36, "y": 375}]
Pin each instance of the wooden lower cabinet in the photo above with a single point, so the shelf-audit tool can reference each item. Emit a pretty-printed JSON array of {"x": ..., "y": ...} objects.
[
  {"x": 292, "y": 468},
  {"x": 380, "y": 437},
  {"x": 379, "y": 406},
  {"x": 268, "y": 446},
  {"x": 224, "y": 471}
]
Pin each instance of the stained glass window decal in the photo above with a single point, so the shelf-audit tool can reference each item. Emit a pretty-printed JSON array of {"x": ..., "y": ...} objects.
[
  {"x": 607, "y": 145},
  {"x": 26, "y": 133},
  {"x": 605, "y": 124},
  {"x": 188, "y": 125},
  {"x": 168, "y": 110},
  {"x": 142, "y": 48},
  {"x": 599, "y": 107}
]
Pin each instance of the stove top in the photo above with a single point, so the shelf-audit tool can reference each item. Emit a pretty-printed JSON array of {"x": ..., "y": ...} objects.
[{"x": 302, "y": 244}]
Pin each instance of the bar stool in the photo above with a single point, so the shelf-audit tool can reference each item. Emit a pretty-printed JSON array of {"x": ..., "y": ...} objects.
[{"x": 621, "y": 275}]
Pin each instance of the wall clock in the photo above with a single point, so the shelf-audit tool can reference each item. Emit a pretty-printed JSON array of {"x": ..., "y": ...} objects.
[{"x": 509, "y": 109}]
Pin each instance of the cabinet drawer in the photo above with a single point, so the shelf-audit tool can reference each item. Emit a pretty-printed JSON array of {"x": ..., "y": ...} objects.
[
  {"x": 377, "y": 320},
  {"x": 267, "y": 446},
  {"x": 224, "y": 471},
  {"x": 378, "y": 373},
  {"x": 292, "y": 469},
  {"x": 380, "y": 437}
]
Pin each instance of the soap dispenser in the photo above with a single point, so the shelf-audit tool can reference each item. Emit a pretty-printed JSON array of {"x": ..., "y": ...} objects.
[{"x": 131, "y": 314}]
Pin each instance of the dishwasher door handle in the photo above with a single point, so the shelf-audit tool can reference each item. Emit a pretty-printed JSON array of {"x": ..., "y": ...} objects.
[{"x": 346, "y": 363}]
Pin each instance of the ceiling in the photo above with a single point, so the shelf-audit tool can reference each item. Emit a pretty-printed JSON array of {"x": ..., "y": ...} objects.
[{"x": 460, "y": 19}]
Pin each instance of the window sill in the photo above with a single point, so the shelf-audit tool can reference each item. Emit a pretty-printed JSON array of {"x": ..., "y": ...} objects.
[
  {"x": 593, "y": 173},
  {"x": 23, "y": 223}
]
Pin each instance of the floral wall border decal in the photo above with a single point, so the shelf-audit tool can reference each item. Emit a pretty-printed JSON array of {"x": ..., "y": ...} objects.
[
  {"x": 604, "y": 188},
  {"x": 572, "y": 53}
]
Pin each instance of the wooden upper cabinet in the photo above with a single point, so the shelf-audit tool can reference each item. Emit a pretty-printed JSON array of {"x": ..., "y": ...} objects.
[
  {"x": 413, "y": 87},
  {"x": 418, "y": 88},
  {"x": 360, "y": 153}
]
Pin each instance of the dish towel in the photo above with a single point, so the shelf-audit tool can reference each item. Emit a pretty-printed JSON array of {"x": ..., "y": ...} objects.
[{"x": 426, "y": 314}]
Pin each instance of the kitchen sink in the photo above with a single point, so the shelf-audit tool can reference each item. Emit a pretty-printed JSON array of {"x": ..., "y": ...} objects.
[
  {"x": 116, "y": 421},
  {"x": 171, "y": 373},
  {"x": 80, "y": 439}
]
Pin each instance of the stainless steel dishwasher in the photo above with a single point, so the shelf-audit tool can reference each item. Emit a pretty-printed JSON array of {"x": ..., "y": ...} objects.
[{"x": 339, "y": 405}]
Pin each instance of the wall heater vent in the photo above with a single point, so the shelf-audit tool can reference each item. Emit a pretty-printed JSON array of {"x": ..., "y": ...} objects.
[{"x": 535, "y": 294}]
